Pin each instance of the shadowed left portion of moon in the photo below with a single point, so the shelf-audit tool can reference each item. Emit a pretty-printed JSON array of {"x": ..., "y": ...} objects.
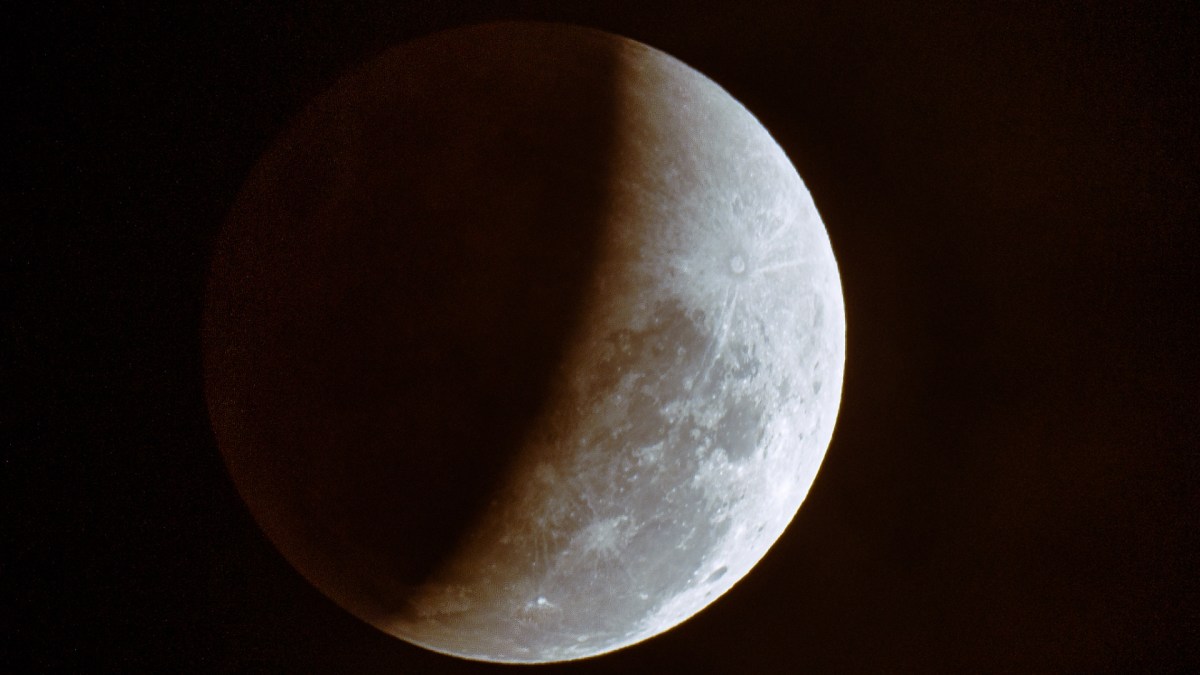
[{"x": 392, "y": 293}]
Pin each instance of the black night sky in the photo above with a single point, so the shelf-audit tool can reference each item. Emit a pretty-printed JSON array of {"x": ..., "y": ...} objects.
[{"x": 1011, "y": 193}]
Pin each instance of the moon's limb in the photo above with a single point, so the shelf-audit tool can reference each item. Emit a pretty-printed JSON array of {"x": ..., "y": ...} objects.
[{"x": 689, "y": 414}]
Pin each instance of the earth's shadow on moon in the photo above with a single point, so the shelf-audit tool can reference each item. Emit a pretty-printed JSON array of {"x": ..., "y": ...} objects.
[{"x": 399, "y": 280}]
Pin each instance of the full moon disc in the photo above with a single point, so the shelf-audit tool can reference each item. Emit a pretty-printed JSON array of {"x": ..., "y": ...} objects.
[{"x": 524, "y": 342}]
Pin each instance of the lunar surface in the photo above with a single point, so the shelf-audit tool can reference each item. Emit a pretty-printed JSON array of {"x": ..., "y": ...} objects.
[{"x": 524, "y": 343}]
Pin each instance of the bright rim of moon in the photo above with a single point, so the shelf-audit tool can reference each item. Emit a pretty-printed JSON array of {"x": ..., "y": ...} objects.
[{"x": 693, "y": 410}]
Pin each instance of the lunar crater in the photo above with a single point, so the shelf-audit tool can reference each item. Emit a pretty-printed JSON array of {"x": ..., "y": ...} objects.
[{"x": 737, "y": 264}]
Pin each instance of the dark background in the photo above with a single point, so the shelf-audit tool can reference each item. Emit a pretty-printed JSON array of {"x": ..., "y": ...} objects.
[{"x": 1011, "y": 195}]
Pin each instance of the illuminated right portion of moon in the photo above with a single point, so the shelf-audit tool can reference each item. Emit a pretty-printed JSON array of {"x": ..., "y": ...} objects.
[{"x": 693, "y": 411}]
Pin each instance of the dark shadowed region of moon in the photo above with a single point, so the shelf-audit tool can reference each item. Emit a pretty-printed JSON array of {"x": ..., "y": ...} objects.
[{"x": 524, "y": 342}]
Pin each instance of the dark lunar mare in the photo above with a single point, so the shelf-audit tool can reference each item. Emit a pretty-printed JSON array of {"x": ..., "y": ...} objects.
[{"x": 393, "y": 290}]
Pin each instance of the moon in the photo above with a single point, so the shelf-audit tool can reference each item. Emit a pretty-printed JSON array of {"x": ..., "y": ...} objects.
[{"x": 524, "y": 342}]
